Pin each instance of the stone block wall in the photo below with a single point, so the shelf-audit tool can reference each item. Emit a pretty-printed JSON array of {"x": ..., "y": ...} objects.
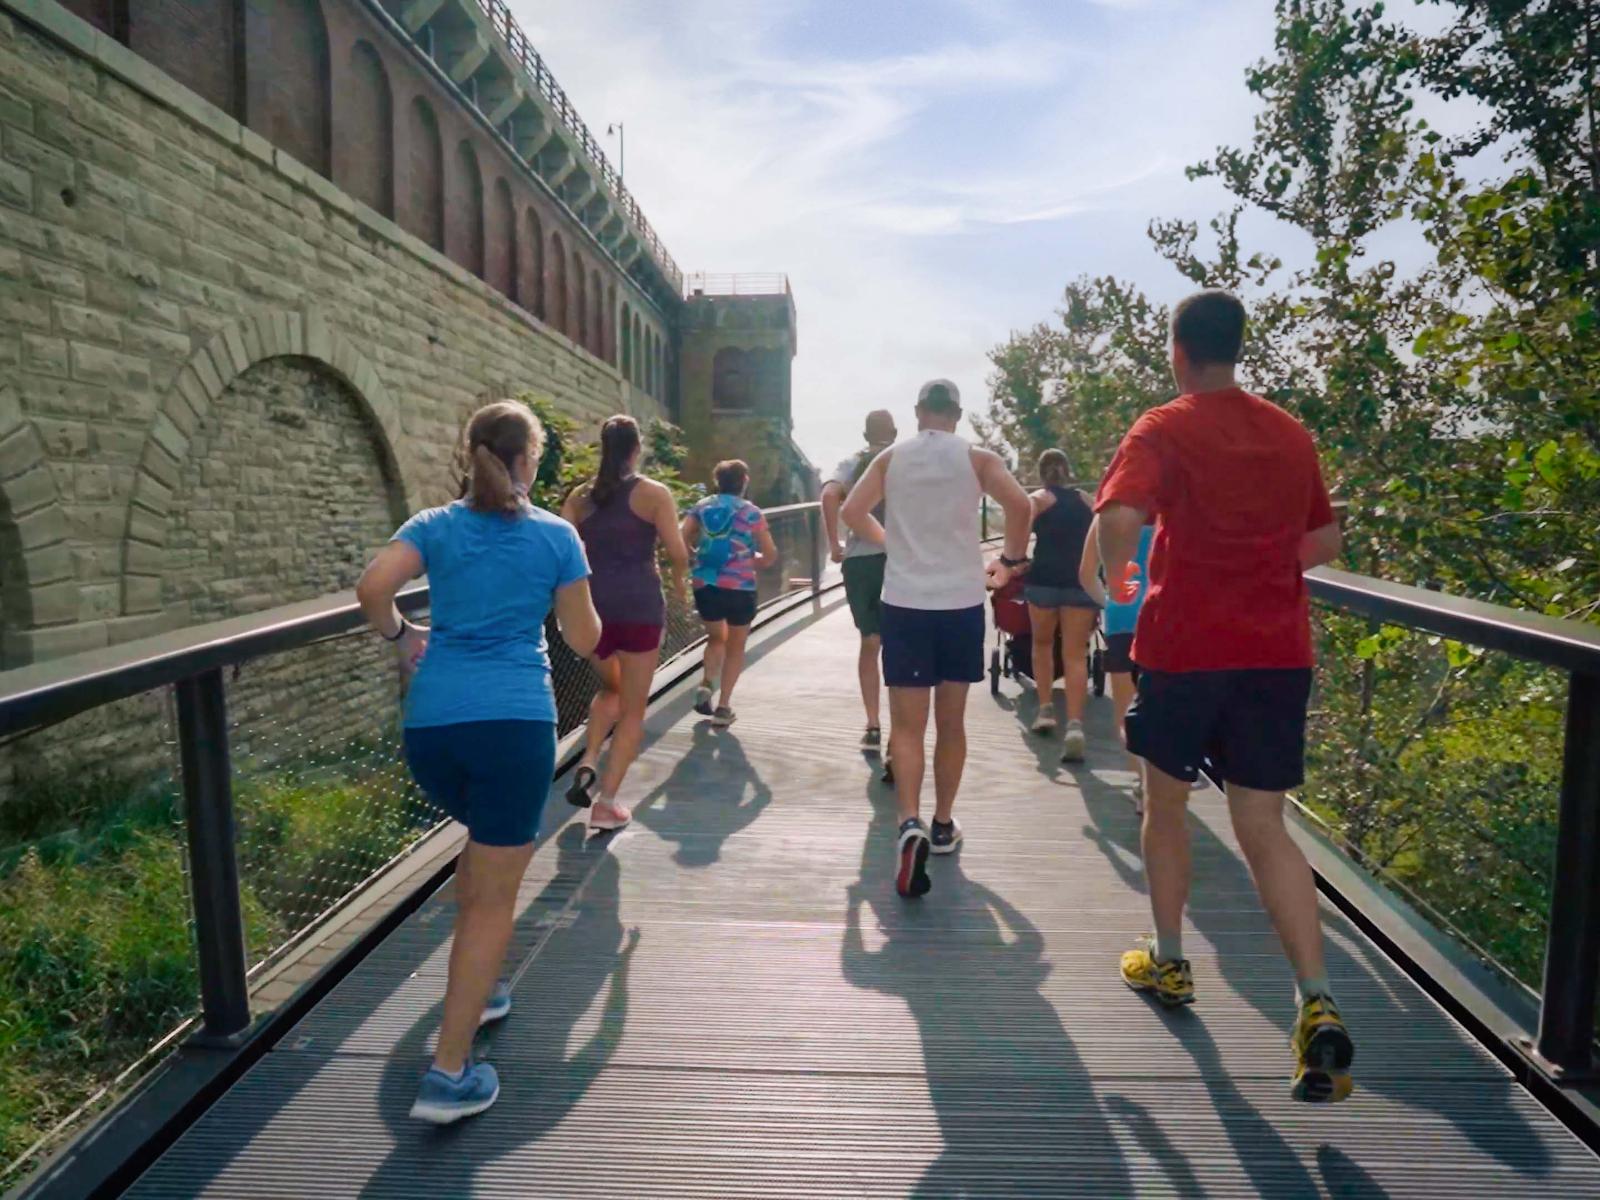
[{"x": 152, "y": 253}]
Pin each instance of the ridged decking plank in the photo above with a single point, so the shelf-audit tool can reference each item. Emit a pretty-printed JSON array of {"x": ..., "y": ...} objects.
[{"x": 728, "y": 1000}]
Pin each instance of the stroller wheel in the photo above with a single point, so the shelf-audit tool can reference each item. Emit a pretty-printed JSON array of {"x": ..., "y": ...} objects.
[
  {"x": 994, "y": 671},
  {"x": 1097, "y": 671}
]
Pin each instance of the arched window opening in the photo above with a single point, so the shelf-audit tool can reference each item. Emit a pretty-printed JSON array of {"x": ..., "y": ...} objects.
[
  {"x": 464, "y": 211},
  {"x": 424, "y": 214},
  {"x": 580, "y": 303},
  {"x": 627, "y": 344},
  {"x": 531, "y": 291},
  {"x": 556, "y": 298},
  {"x": 287, "y": 88},
  {"x": 363, "y": 159}
]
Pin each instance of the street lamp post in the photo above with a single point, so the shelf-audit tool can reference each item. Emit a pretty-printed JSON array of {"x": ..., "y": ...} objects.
[{"x": 622, "y": 148}]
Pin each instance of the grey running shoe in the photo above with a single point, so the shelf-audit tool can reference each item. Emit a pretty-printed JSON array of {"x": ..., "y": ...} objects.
[
  {"x": 1072, "y": 745},
  {"x": 946, "y": 836},
  {"x": 702, "y": 700},
  {"x": 723, "y": 717},
  {"x": 872, "y": 739}
]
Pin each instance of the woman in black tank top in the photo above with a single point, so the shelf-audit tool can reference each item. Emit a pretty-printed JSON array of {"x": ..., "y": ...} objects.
[{"x": 1057, "y": 604}]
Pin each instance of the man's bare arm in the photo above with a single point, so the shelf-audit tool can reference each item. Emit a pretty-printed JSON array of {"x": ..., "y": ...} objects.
[
  {"x": 863, "y": 498},
  {"x": 832, "y": 498},
  {"x": 1320, "y": 546},
  {"x": 1002, "y": 486},
  {"x": 1118, "y": 528}
]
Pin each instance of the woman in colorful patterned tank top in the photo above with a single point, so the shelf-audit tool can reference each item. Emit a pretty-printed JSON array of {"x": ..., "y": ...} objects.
[
  {"x": 621, "y": 517},
  {"x": 731, "y": 542}
]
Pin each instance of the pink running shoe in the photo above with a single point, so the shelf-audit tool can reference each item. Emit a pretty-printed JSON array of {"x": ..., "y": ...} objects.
[{"x": 605, "y": 815}]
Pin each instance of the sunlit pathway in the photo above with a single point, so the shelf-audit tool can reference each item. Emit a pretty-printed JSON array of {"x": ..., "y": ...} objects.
[{"x": 729, "y": 1000}]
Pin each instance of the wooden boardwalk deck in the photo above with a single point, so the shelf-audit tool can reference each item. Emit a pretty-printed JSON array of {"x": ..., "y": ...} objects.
[{"x": 729, "y": 1000}]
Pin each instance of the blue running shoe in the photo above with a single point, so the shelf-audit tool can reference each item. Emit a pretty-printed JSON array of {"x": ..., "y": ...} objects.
[
  {"x": 498, "y": 1006},
  {"x": 441, "y": 1100}
]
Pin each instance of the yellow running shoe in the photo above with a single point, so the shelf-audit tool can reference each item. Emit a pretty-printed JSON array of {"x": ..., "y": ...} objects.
[
  {"x": 1172, "y": 983},
  {"x": 1323, "y": 1052}
]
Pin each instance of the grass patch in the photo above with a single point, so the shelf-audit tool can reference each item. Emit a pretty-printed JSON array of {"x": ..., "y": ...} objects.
[{"x": 97, "y": 957}]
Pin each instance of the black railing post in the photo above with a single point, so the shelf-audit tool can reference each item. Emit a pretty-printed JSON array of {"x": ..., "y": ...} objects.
[
  {"x": 1572, "y": 955},
  {"x": 213, "y": 869},
  {"x": 814, "y": 523}
]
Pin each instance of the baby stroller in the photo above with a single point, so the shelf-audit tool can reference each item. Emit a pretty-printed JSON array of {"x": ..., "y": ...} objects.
[{"x": 1012, "y": 656}]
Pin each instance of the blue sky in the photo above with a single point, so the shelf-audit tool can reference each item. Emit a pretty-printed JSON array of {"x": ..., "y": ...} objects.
[{"x": 929, "y": 173}]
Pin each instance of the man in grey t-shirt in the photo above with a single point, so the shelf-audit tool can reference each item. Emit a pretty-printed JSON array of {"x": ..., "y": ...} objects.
[{"x": 862, "y": 563}]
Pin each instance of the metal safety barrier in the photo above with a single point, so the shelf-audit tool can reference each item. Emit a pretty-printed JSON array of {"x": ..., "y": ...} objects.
[
  {"x": 1563, "y": 1049},
  {"x": 274, "y": 739}
]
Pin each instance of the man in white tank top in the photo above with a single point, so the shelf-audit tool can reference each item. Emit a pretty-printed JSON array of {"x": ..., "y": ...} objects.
[{"x": 933, "y": 594}]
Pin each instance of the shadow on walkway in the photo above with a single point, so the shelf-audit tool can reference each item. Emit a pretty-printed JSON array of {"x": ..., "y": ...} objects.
[
  {"x": 712, "y": 794},
  {"x": 541, "y": 1082},
  {"x": 1005, "y": 1082}
]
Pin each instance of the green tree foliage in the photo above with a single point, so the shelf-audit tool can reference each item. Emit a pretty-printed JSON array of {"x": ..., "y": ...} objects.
[{"x": 1455, "y": 393}]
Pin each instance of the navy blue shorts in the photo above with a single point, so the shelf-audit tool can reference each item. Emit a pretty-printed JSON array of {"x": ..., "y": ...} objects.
[
  {"x": 1250, "y": 724},
  {"x": 492, "y": 776},
  {"x": 927, "y": 646}
]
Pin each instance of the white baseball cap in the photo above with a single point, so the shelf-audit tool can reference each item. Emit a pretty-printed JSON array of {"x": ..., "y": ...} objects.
[{"x": 953, "y": 391}]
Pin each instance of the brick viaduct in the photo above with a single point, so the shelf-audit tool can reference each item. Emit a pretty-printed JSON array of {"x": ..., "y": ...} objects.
[{"x": 257, "y": 260}]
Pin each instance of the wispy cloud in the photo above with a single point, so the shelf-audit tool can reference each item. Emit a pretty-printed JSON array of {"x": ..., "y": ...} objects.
[{"x": 929, "y": 174}]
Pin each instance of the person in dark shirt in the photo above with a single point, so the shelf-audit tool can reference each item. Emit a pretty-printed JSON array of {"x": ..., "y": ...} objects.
[
  {"x": 1058, "y": 606},
  {"x": 1223, "y": 644}
]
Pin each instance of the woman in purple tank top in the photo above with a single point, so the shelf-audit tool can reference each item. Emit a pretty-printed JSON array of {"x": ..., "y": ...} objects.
[{"x": 620, "y": 515}]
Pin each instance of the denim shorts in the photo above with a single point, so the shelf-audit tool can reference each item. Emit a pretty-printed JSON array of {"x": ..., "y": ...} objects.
[
  {"x": 492, "y": 776},
  {"x": 1043, "y": 596}
]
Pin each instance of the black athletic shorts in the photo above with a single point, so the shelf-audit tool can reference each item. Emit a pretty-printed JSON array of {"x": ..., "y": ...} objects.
[
  {"x": 1119, "y": 653},
  {"x": 927, "y": 646},
  {"x": 1250, "y": 724},
  {"x": 736, "y": 606}
]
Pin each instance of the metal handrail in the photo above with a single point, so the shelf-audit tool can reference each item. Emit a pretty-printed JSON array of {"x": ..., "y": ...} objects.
[
  {"x": 522, "y": 50},
  {"x": 193, "y": 661},
  {"x": 1563, "y": 1048}
]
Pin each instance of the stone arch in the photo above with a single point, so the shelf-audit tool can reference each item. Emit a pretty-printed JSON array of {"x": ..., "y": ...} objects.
[
  {"x": 610, "y": 333},
  {"x": 36, "y": 583},
  {"x": 597, "y": 315},
  {"x": 198, "y": 386}
]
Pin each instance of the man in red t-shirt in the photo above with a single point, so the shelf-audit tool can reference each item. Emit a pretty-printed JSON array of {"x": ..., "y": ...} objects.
[{"x": 1223, "y": 645}]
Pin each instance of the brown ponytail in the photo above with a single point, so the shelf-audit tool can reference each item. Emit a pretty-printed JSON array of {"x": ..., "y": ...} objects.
[
  {"x": 619, "y": 439},
  {"x": 495, "y": 437}
]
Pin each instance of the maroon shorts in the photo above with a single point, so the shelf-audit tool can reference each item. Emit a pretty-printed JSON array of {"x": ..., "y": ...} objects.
[{"x": 630, "y": 637}]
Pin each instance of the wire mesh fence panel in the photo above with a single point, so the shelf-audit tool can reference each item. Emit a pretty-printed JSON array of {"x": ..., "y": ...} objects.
[
  {"x": 97, "y": 952},
  {"x": 322, "y": 796},
  {"x": 1439, "y": 767}
]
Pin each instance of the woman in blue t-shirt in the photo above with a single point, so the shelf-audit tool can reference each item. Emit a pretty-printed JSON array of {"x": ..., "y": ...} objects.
[
  {"x": 1120, "y": 619},
  {"x": 480, "y": 719}
]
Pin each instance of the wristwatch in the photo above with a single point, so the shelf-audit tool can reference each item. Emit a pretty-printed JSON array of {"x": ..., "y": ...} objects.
[{"x": 1011, "y": 564}]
